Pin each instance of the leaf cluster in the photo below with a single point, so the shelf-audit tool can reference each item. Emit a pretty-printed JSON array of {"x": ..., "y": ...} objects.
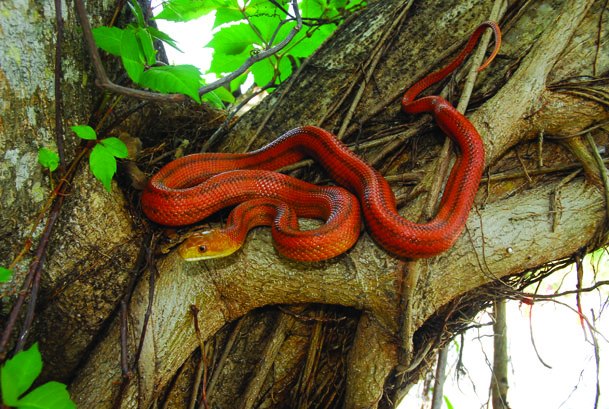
[
  {"x": 244, "y": 28},
  {"x": 102, "y": 160},
  {"x": 135, "y": 45},
  {"x": 17, "y": 376},
  {"x": 257, "y": 26}
]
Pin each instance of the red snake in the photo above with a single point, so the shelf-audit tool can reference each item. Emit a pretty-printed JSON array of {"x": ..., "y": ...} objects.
[{"x": 191, "y": 188}]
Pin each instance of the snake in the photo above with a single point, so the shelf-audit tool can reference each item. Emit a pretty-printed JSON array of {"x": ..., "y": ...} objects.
[{"x": 191, "y": 188}]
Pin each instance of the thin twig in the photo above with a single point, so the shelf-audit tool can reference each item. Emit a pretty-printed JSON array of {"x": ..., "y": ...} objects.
[
  {"x": 29, "y": 278},
  {"x": 380, "y": 48},
  {"x": 293, "y": 79},
  {"x": 602, "y": 170},
  {"x": 271, "y": 111},
  {"x": 231, "y": 115},
  {"x": 578, "y": 291},
  {"x": 390, "y": 99},
  {"x": 227, "y": 348},
  {"x": 103, "y": 82},
  {"x": 266, "y": 362},
  {"x": 596, "y": 360},
  {"x": 29, "y": 316},
  {"x": 257, "y": 57},
  {"x": 126, "y": 372},
  {"x": 151, "y": 285},
  {"x": 598, "y": 42}
]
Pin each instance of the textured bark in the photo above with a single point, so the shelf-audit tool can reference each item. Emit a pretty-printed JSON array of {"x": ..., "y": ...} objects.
[
  {"x": 512, "y": 229},
  {"x": 499, "y": 379}
]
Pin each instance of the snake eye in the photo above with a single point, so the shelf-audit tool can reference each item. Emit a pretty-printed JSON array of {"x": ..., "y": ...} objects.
[{"x": 202, "y": 249}]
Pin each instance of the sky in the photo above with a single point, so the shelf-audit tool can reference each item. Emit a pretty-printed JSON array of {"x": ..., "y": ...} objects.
[
  {"x": 562, "y": 344},
  {"x": 554, "y": 329}
]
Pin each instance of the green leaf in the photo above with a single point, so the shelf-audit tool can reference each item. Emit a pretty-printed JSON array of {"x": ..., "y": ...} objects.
[
  {"x": 108, "y": 39},
  {"x": 116, "y": 147},
  {"x": 132, "y": 55},
  {"x": 237, "y": 82},
  {"x": 184, "y": 79},
  {"x": 338, "y": 4},
  {"x": 266, "y": 7},
  {"x": 314, "y": 39},
  {"x": 103, "y": 165},
  {"x": 156, "y": 33},
  {"x": 137, "y": 11},
  {"x": 5, "y": 274},
  {"x": 222, "y": 63},
  {"x": 233, "y": 40},
  {"x": 263, "y": 72},
  {"x": 84, "y": 132},
  {"x": 147, "y": 45},
  {"x": 266, "y": 26},
  {"x": 448, "y": 404},
  {"x": 312, "y": 8},
  {"x": 213, "y": 99},
  {"x": 51, "y": 395},
  {"x": 285, "y": 68},
  {"x": 227, "y": 15},
  {"x": 186, "y": 10},
  {"x": 224, "y": 94},
  {"x": 48, "y": 159},
  {"x": 18, "y": 374}
]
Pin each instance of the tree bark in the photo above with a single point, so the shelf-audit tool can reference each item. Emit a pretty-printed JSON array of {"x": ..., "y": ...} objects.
[
  {"x": 499, "y": 379},
  {"x": 512, "y": 228}
]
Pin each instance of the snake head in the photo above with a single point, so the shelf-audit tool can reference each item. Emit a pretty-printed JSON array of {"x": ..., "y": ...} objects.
[{"x": 207, "y": 245}]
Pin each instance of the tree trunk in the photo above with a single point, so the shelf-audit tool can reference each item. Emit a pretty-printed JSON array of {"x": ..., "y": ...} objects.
[
  {"x": 499, "y": 379},
  {"x": 361, "y": 325}
]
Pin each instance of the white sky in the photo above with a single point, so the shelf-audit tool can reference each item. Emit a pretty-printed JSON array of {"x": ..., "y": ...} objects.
[
  {"x": 561, "y": 343},
  {"x": 557, "y": 331}
]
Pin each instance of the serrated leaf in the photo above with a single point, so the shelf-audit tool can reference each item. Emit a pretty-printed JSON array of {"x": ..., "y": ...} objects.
[
  {"x": 5, "y": 274},
  {"x": 263, "y": 72},
  {"x": 183, "y": 79},
  {"x": 108, "y": 39},
  {"x": 147, "y": 45},
  {"x": 222, "y": 63},
  {"x": 226, "y": 15},
  {"x": 51, "y": 395},
  {"x": 103, "y": 165},
  {"x": 266, "y": 26},
  {"x": 84, "y": 132},
  {"x": 313, "y": 40},
  {"x": 48, "y": 159},
  {"x": 116, "y": 147},
  {"x": 213, "y": 99},
  {"x": 131, "y": 55},
  {"x": 18, "y": 374},
  {"x": 266, "y": 7},
  {"x": 286, "y": 66},
  {"x": 312, "y": 8},
  {"x": 224, "y": 95},
  {"x": 137, "y": 11},
  {"x": 186, "y": 10},
  {"x": 233, "y": 40},
  {"x": 237, "y": 82},
  {"x": 156, "y": 33}
]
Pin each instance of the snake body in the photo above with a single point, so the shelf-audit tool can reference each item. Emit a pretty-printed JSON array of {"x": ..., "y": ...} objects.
[{"x": 191, "y": 188}]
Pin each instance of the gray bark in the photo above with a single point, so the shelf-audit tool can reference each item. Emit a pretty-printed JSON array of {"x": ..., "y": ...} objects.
[{"x": 499, "y": 379}]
